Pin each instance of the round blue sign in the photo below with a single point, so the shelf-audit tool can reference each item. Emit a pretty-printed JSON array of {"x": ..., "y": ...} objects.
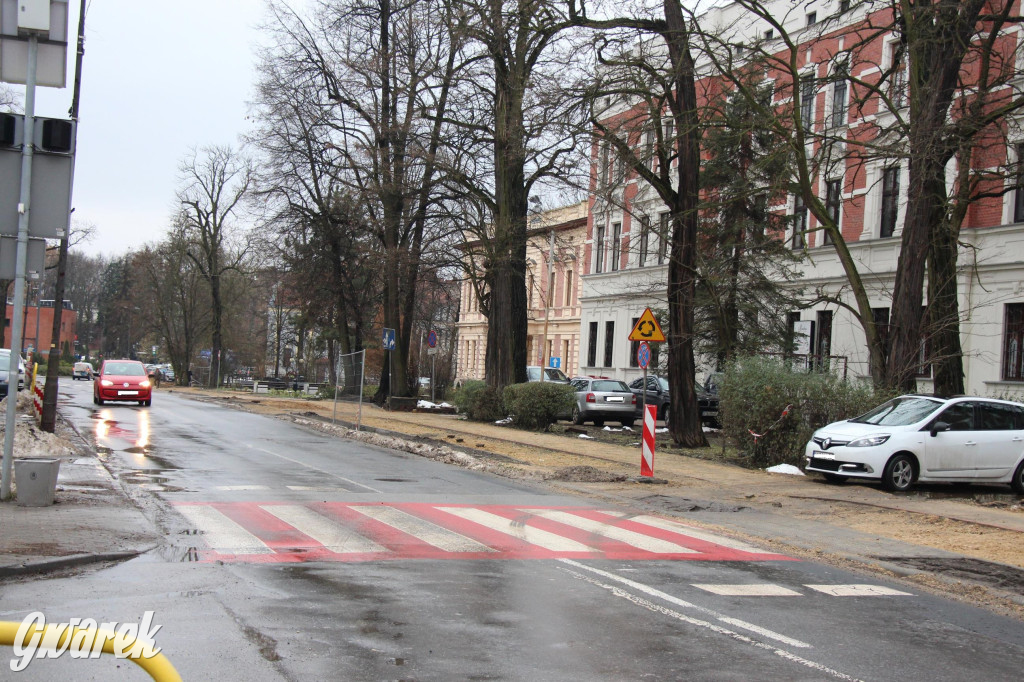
[
  {"x": 643, "y": 355},
  {"x": 432, "y": 338}
]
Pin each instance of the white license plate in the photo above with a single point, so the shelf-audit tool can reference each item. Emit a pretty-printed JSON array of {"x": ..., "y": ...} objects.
[
  {"x": 818, "y": 454},
  {"x": 127, "y": 392},
  {"x": 613, "y": 399},
  {"x": 709, "y": 413}
]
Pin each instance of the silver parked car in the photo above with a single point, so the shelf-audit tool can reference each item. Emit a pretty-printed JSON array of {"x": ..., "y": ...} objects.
[{"x": 598, "y": 400}]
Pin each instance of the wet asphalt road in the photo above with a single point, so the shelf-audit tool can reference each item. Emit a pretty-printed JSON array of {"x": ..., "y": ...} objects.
[{"x": 290, "y": 555}]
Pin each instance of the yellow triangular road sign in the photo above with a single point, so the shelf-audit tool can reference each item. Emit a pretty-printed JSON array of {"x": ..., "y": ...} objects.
[{"x": 647, "y": 329}]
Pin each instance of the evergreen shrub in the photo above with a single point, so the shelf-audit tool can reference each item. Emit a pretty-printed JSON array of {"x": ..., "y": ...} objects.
[
  {"x": 537, "y": 405},
  {"x": 756, "y": 391}
]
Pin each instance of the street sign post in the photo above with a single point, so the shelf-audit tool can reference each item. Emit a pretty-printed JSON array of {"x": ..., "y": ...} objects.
[
  {"x": 647, "y": 329},
  {"x": 432, "y": 352},
  {"x": 555, "y": 363},
  {"x": 432, "y": 338},
  {"x": 643, "y": 358},
  {"x": 387, "y": 341}
]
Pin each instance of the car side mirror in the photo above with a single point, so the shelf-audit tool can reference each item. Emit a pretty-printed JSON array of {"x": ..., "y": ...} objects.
[{"x": 937, "y": 427}]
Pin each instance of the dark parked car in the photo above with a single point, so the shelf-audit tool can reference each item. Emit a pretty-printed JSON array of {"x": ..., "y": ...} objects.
[{"x": 658, "y": 394}]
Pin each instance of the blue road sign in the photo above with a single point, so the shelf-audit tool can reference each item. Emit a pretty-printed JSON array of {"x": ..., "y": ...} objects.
[
  {"x": 388, "y": 339},
  {"x": 643, "y": 355},
  {"x": 555, "y": 362},
  {"x": 432, "y": 338}
]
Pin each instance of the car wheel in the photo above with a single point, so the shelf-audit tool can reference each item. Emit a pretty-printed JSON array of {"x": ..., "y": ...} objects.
[
  {"x": 99, "y": 401},
  {"x": 147, "y": 403},
  {"x": 1018, "y": 480},
  {"x": 834, "y": 478},
  {"x": 899, "y": 473},
  {"x": 95, "y": 400},
  {"x": 628, "y": 422},
  {"x": 577, "y": 418}
]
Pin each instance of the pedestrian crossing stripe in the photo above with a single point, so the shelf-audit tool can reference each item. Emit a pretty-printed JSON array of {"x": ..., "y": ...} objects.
[
  {"x": 772, "y": 590},
  {"x": 336, "y": 531}
]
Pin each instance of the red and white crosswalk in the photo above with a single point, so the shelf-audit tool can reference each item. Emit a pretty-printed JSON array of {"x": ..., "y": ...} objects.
[{"x": 336, "y": 531}]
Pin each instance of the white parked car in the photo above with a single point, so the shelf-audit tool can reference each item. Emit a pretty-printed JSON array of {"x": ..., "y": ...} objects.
[
  {"x": 916, "y": 438},
  {"x": 5, "y": 365}
]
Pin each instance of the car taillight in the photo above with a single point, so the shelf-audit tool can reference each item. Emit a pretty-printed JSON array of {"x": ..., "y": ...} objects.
[
  {"x": 591, "y": 398},
  {"x": 634, "y": 398}
]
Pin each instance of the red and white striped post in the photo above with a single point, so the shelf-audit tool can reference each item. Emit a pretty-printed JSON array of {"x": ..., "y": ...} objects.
[{"x": 647, "y": 451}]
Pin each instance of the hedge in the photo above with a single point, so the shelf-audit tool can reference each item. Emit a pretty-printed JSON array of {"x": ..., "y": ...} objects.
[{"x": 537, "y": 405}]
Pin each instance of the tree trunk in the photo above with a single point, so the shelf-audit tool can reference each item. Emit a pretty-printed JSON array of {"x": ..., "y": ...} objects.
[
  {"x": 218, "y": 311},
  {"x": 944, "y": 312},
  {"x": 685, "y": 422}
]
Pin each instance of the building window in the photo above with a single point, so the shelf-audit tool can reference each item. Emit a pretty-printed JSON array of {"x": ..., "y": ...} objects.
[
  {"x": 602, "y": 170},
  {"x": 890, "y": 200},
  {"x": 880, "y": 316},
  {"x": 808, "y": 87},
  {"x": 898, "y": 80},
  {"x": 568, "y": 287},
  {"x": 645, "y": 239},
  {"x": 1013, "y": 342},
  {"x": 799, "y": 223},
  {"x": 844, "y": 6},
  {"x": 812, "y": 18},
  {"x": 616, "y": 244},
  {"x": 649, "y": 154},
  {"x": 833, "y": 201},
  {"x": 609, "y": 342},
  {"x": 1018, "y": 194},
  {"x": 839, "y": 91},
  {"x": 823, "y": 338},
  {"x": 791, "y": 319},
  {"x": 663, "y": 228},
  {"x": 634, "y": 346},
  {"x": 599, "y": 250},
  {"x": 769, "y": 34},
  {"x": 529, "y": 291},
  {"x": 592, "y": 346}
]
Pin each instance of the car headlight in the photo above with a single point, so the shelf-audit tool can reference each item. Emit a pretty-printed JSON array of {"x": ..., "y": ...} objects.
[
  {"x": 106, "y": 382},
  {"x": 868, "y": 441},
  {"x": 144, "y": 383}
]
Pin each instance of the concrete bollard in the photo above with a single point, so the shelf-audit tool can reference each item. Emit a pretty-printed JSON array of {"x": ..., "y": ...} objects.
[{"x": 36, "y": 481}]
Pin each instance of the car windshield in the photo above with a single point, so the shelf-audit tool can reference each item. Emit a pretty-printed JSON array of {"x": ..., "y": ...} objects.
[
  {"x": 555, "y": 374},
  {"x": 610, "y": 385},
  {"x": 662, "y": 382},
  {"x": 124, "y": 369},
  {"x": 900, "y": 412}
]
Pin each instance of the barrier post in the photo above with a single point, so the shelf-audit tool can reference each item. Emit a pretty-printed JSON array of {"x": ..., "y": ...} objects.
[{"x": 647, "y": 445}]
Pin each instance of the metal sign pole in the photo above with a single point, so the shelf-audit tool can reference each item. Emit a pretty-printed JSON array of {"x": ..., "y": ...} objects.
[
  {"x": 20, "y": 266},
  {"x": 362, "y": 375}
]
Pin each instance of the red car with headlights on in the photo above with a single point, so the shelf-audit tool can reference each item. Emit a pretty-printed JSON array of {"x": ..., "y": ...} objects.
[{"x": 124, "y": 380}]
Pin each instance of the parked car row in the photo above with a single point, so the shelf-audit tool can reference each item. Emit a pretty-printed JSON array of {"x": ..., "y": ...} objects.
[{"x": 657, "y": 393}]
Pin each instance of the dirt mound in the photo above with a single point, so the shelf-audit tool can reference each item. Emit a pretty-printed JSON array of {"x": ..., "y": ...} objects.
[{"x": 584, "y": 474}]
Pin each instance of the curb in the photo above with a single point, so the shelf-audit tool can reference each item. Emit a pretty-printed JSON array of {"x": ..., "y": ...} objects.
[{"x": 58, "y": 563}]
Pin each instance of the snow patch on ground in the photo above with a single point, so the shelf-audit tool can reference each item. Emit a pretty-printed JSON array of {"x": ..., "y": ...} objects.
[
  {"x": 506, "y": 420},
  {"x": 586, "y": 437},
  {"x": 785, "y": 469}
]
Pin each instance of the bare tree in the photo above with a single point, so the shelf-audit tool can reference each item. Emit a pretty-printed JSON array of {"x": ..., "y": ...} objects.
[
  {"x": 383, "y": 72},
  {"x": 215, "y": 180}
]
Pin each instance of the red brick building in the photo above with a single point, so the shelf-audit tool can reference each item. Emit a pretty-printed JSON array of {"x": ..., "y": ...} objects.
[{"x": 39, "y": 326}]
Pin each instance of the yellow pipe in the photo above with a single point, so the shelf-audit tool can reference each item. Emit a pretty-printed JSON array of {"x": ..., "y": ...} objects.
[{"x": 158, "y": 667}]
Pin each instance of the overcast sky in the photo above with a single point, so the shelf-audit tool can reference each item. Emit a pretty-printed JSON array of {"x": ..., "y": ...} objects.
[{"x": 159, "y": 78}]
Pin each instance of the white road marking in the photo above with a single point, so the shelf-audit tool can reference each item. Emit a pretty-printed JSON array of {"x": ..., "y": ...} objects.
[
  {"x": 647, "y": 589},
  {"x": 222, "y": 533},
  {"x": 521, "y": 531},
  {"x": 690, "y": 531},
  {"x": 651, "y": 606},
  {"x": 754, "y": 590},
  {"x": 430, "y": 533},
  {"x": 242, "y": 487},
  {"x": 629, "y": 537},
  {"x": 310, "y": 466},
  {"x": 859, "y": 591},
  {"x": 315, "y": 488},
  {"x": 328, "y": 533}
]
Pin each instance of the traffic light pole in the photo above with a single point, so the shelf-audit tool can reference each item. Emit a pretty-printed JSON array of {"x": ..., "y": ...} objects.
[{"x": 20, "y": 267}]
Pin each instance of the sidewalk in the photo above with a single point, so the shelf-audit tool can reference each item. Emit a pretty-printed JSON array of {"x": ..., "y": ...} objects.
[{"x": 91, "y": 521}]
